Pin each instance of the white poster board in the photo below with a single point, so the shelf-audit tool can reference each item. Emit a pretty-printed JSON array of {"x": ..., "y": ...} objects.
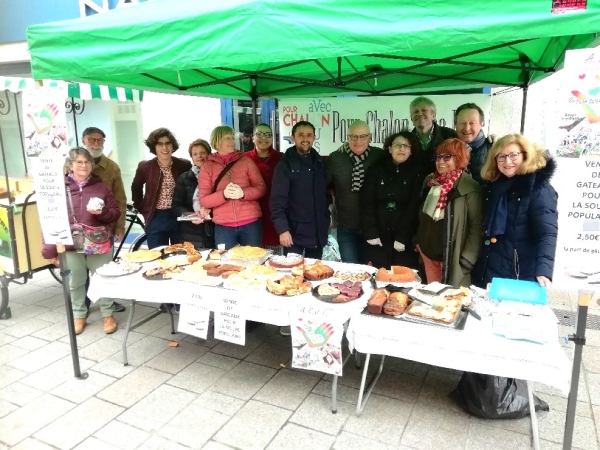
[
  {"x": 193, "y": 320},
  {"x": 230, "y": 324},
  {"x": 578, "y": 250},
  {"x": 51, "y": 198},
  {"x": 332, "y": 116}
]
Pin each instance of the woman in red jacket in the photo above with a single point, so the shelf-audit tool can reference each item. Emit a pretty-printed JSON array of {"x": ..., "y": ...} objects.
[
  {"x": 231, "y": 185},
  {"x": 83, "y": 186},
  {"x": 266, "y": 158}
]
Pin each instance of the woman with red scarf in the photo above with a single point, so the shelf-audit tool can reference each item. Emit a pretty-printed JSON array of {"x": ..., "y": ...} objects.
[{"x": 449, "y": 233}]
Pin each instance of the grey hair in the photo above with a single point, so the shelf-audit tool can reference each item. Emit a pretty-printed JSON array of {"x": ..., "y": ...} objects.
[
  {"x": 358, "y": 123},
  {"x": 419, "y": 100},
  {"x": 75, "y": 151}
]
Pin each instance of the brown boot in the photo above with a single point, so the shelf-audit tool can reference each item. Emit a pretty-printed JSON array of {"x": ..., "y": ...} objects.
[
  {"x": 110, "y": 326},
  {"x": 79, "y": 325}
]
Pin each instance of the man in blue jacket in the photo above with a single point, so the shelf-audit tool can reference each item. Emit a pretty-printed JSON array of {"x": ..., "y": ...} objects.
[{"x": 299, "y": 196}]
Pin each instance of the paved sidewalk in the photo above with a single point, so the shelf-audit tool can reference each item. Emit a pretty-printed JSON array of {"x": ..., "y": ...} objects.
[{"x": 214, "y": 395}]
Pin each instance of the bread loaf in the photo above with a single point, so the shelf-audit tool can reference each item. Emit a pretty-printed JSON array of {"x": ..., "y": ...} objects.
[
  {"x": 377, "y": 300},
  {"x": 396, "y": 304}
]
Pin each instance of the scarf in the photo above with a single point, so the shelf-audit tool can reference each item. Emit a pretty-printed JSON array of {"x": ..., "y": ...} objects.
[
  {"x": 494, "y": 221},
  {"x": 477, "y": 142},
  {"x": 358, "y": 168},
  {"x": 437, "y": 199},
  {"x": 196, "y": 198},
  {"x": 81, "y": 184}
]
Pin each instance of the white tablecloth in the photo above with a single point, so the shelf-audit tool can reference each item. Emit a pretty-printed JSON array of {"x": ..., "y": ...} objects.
[
  {"x": 475, "y": 349},
  {"x": 258, "y": 305}
]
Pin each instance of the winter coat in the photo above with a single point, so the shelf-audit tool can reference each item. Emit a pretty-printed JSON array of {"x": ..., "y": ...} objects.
[
  {"x": 243, "y": 173},
  {"x": 201, "y": 235},
  {"x": 460, "y": 230},
  {"x": 147, "y": 182},
  {"x": 390, "y": 200},
  {"x": 299, "y": 198},
  {"x": 477, "y": 160},
  {"x": 527, "y": 248},
  {"x": 267, "y": 169},
  {"x": 339, "y": 178},
  {"x": 80, "y": 197},
  {"x": 439, "y": 135},
  {"x": 110, "y": 174}
]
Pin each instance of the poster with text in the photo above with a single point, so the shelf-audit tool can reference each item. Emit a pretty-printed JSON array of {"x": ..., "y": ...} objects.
[
  {"x": 230, "y": 324},
  {"x": 193, "y": 320},
  {"x": 316, "y": 341},
  {"x": 385, "y": 115},
  {"x": 45, "y": 122},
  {"x": 51, "y": 198},
  {"x": 578, "y": 251}
]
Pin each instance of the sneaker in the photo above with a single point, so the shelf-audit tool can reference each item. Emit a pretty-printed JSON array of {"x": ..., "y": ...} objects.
[
  {"x": 118, "y": 307},
  {"x": 285, "y": 331},
  {"x": 110, "y": 326}
]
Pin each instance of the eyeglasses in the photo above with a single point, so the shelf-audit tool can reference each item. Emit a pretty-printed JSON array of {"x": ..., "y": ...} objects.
[
  {"x": 95, "y": 140},
  {"x": 261, "y": 135},
  {"x": 404, "y": 147},
  {"x": 82, "y": 163},
  {"x": 446, "y": 158},
  {"x": 513, "y": 156},
  {"x": 358, "y": 137},
  {"x": 164, "y": 144}
]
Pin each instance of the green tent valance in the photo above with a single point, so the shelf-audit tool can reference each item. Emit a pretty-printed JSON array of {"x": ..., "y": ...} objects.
[{"x": 83, "y": 91}]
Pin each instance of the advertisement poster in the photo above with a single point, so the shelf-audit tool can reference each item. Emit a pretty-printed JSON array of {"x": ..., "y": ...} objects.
[
  {"x": 578, "y": 250},
  {"x": 45, "y": 122},
  {"x": 51, "y": 198},
  {"x": 316, "y": 341},
  {"x": 385, "y": 115}
]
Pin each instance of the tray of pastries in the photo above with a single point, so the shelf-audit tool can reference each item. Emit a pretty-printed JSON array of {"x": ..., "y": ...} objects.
[
  {"x": 118, "y": 268},
  {"x": 313, "y": 272},
  {"x": 389, "y": 304},
  {"x": 343, "y": 292},
  {"x": 347, "y": 275},
  {"x": 183, "y": 254},
  {"x": 287, "y": 262},
  {"x": 289, "y": 285},
  {"x": 197, "y": 273},
  {"x": 450, "y": 314},
  {"x": 163, "y": 271},
  {"x": 142, "y": 256},
  {"x": 398, "y": 276},
  {"x": 254, "y": 276}
]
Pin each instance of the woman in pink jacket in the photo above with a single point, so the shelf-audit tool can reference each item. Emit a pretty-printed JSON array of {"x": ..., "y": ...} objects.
[{"x": 230, "y": 184}]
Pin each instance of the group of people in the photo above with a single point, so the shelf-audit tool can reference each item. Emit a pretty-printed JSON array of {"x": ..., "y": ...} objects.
[{"x": 466, "y": 209}]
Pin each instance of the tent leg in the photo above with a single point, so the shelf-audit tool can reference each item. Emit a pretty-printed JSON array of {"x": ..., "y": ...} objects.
[
  {"x": 254, "y": 96},
  {"x": 585, "y": 297},
  {"x": 524, "y": 109}
]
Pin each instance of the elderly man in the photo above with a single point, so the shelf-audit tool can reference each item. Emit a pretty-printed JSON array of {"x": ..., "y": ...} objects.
[
  {"x": 346, "y": 168},
  {"x": 429, "y": 133},
  {"x": 93, "y": 139},
  {"x": 469, "y": 120}
]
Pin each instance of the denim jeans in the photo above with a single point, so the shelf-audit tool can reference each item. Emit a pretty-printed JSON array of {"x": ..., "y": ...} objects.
[
  {"x": 353, "y": 246},
  {"x": 249, "y": 234},
  {"x": 316, "y": 252},
  {"x": 163, "y": 229}
]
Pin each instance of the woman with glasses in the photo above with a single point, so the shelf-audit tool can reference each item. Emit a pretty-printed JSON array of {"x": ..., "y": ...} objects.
[
  {"x": 231, "y": 185},
  {"x": 153, "y": 185},
  {"x": 266, "y": 159},
  {"x": 449, "y": 232},
  {"x": 82, "y": 186},
  {"x": 520, "y": 222},
  {"x": 390, "y": 201}
]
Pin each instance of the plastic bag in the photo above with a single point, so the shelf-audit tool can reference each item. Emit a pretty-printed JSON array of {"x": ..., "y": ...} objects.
[
  {"x": 491, "y": 397},
  {"x": 331, "y": 252}
]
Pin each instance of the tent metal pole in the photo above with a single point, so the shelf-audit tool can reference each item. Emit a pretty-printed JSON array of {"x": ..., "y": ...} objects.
[
  {"x": 524, "y": 108},
  {"x": 254, "y": 95}
]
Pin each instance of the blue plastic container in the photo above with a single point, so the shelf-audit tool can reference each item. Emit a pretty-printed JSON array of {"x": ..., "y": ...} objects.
[{"x": 518, "y": 291}]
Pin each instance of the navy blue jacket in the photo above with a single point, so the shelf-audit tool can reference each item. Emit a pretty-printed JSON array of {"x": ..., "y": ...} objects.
[
  {"x": 527, "y": 248},
  {"x": 299, "y": 198}
]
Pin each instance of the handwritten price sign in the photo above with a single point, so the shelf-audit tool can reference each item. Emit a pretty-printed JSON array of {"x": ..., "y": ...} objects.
[{"x": 230, "y": 326}]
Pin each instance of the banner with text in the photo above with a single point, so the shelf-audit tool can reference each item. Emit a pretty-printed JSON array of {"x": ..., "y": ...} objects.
[
  {"x": 578, "y": 250},
  {"x": 385, "y": 115}
]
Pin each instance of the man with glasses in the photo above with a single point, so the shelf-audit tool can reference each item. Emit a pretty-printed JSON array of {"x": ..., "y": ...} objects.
[
  {"x": 430, "y": 134},
  {"x": 469, "y": 119},
  {"x": 93, "y": 140},
  {"x": 346, "y": 168}
]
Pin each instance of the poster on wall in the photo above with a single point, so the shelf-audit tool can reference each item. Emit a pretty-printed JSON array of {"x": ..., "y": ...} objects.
[
  {"x": 578, "y": 250},
  {"x": 332, "y": 116},
  {"x": 45, "y": 122}
]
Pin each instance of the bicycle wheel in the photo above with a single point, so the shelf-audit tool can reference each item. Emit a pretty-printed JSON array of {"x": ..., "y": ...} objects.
[
  {"x": 138, "y": 242},
  {"x": 55, "y": 272}
]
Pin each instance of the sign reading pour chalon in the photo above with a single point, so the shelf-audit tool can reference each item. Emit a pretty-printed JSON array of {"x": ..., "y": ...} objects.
[{"x": 578, "y": 251}]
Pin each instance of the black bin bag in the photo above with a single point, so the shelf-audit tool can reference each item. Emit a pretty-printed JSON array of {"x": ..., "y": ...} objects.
[{"x": 491, "y": 397}]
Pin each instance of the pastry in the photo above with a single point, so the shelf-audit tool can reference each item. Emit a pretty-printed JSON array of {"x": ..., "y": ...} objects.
[
  {"x": 392, "y": 309},
  {"x": 247, "y": 253},
  {"x": 216, "y": 254},
  {"x": 298, "y": 271},
  {"x": 351, "y": 289},
  {"x": 263, "y": 273},
  {"x": 327, "y": 289},
  {"x": 399, "y": 274},
  {"x": 396, "y": 303},
  {"x": 286, "y": 262},
  {"x": 302, "y": 288},
  {"x": 317, "y": 271},
  {"x": 288, "y": 285},
  {"x": 142, "y": 256},
  {"x": 352, "y": 276},
  {"x": 377, "y": 300}
]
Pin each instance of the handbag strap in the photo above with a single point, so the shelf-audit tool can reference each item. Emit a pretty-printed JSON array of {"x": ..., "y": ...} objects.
[
  {"x": 223, "y": 172},
  {"x": 71, "y": 203}
]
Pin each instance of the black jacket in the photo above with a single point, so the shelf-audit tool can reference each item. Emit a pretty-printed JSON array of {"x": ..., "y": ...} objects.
[
  {"x": 202, "y": 235},
  {"x": 527, "y": 248},
  {"x": 440, "y": 134},
  {"x": 299, "y": 198}
]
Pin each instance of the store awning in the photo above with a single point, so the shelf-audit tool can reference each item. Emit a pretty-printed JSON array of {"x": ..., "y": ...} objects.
[{"x": 83, "y": 91}]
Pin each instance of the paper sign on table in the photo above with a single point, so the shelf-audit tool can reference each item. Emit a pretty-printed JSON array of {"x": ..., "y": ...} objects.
[
  {"x": 229, "y": 324},
  {"x": 193, "y": 320},
  {"x": 316, "y": 341}
]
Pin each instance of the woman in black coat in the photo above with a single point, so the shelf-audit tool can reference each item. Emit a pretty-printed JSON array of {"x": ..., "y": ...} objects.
[
  {"x": 520, "y": 219},
  {"x": 185, "y": 200},
  {"x": 390, "y": 200}
]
